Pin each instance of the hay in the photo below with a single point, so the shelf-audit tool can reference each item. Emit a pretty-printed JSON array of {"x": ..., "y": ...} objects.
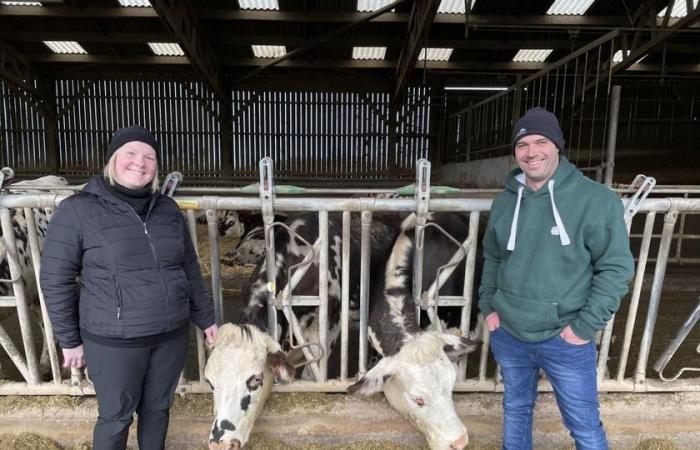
[
  {"x": 25, "y": 441},
  {"x": 656, "y": 444},
  {"x": 200, "y": 405},
  {"x": 16, "y": 402},
  {"x": 285, "y": 402}
]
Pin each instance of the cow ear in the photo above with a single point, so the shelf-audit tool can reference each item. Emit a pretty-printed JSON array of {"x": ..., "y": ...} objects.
[
  {"x": 373, "y": 381},
  {"x": 282, "y": 371},
  {"x": 456, "y": 346}
]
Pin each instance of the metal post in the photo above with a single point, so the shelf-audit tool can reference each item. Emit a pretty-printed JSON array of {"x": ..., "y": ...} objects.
[
  {"x": 323, "y": 294},
  {"x": 655, "y": 296},
  {"x": 345, "y": 298},
  {"x": 267, "y": 197},
  {"x": 215, "y": 264},
  {"x": 20, "y": 298},
  {"x": 612, "y": 135},
  {"x": 364, "y": 288},
  {"x": 422, "y": 197}
]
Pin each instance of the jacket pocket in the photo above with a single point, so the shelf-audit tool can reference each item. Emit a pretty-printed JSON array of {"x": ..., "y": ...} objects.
[
  {"x": 118, "y": 299},
  {"x": 525, "y": 314}
]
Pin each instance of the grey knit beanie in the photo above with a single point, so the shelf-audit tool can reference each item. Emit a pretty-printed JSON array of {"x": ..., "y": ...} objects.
[
  {"x": 130, "y": 134},
  {"x": 538, "y": 121}
]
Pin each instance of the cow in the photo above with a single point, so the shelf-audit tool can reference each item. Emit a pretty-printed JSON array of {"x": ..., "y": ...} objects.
[
  {"x": 241, "y": 369},
  {"x": 417, "y": 372},
  {"x": 23, "y": 254},
  {"x": 290, "y": 251}
]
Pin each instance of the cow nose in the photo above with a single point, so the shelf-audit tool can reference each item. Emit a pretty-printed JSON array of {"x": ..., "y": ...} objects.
[
  {"x": 460, "y": 443},
  {"x": 225, "y": 444}
]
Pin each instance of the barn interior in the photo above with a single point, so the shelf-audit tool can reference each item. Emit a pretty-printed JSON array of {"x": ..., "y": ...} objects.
[{"x": 351, "y": 94}]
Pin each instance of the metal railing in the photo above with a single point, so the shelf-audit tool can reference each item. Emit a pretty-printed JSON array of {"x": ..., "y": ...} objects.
[{"x": 485, "y": 378}]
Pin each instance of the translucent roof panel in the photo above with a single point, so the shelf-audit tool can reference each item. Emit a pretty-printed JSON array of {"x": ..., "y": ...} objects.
[
  {"x": 453, "y": 6},
  {"x": 617, "y": 57},
  {"x": 435, "y": 54},
  {"x": 372, "y": 5},
  {"x": 368, "y": 52},
  {"x": 569, "y": 7},
  {"x": 532, "y": 55},
  {"x": 135, "y": 3},
  {"x": 269, "y": 51},
  {"x": 66, "y": 47},
  {"x": 259, "y": 4},
  {"x": 166, "y": 49},
  {"x": 21, "y": 3},
  {"x": 680, "y": 9}
]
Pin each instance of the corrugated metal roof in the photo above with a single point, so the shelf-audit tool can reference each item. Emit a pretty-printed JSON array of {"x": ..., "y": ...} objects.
[
  {"x": 166, "y": 49},
  {"x": 21, "y": 3},
  {"x": 435, "y": 54},
  {"x": 259, "y": 4},
  {"x": 269, "y": 51},
  {"x": 532, "y": 55},
  {"x": 66, "y": 47},
  {"x": 680, "y": 9},
  {"x": 453, "y": 6},
  {"x": 371, "y": 5},
  {"x": 368, "y": 52},
  {"x": 569, "y": 7},
  {"x": 135, "y": 3}
]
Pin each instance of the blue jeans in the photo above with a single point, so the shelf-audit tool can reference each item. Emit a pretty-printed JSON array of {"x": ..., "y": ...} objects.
[{"x": 571, "y": 369}]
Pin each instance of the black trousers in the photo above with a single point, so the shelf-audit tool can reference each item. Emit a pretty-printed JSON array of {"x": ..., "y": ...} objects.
[{"x": 141, "y": 379}]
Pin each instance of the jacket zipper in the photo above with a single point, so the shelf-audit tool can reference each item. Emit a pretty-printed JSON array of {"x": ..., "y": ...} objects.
[{"x": 119, "y": 300}]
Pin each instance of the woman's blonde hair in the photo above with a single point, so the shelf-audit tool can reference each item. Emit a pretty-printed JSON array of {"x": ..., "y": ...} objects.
[{"x": 109, "y": 172}]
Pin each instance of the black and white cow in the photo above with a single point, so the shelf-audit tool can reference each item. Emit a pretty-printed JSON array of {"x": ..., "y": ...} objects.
[
  {"x": 19, "y": 225},
  {"x": 417, "y": 372},
  {"x": 241, "y": 370}
]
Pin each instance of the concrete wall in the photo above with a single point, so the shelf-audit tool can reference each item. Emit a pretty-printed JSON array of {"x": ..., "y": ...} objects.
[{"x": 483, "y": 173}]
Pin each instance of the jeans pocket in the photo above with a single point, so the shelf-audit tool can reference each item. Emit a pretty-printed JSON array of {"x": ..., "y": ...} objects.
[{"x": 565, "y": 342}]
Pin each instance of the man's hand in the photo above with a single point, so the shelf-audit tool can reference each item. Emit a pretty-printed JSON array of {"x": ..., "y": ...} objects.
[
  {"x": 210, "y": 333},
  {"x": 568, "y": 335},
  {"x": 74, "y": 357},
  {"x": 492, "y": 322}
]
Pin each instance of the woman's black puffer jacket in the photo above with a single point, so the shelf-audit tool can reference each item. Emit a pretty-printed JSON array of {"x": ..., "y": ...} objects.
[{"x": 137, "y": 278}]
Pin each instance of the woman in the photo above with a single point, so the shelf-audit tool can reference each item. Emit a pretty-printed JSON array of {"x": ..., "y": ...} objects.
[{"x": 140, "y": 285}]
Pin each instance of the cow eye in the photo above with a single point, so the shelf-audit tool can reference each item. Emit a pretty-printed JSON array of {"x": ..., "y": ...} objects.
[{"x": 254, "y": 381}]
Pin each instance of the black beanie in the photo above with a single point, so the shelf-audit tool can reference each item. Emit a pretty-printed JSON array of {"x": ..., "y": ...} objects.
[
  {"x": 538, "y": 121},
  {"x": 130, "y": 134}
]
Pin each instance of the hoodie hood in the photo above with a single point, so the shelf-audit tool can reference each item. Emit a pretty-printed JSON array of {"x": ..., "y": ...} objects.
[{"x": 563, "y": 178}]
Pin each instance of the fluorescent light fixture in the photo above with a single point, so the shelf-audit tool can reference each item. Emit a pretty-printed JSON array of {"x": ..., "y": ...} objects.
[
  {"x": 135, "y": 3},
  {"x": 569, "y": 7},
  {"x": 21, "y": 3},
  {"x": 269, "y": 51},
  {"x": 476, "y": 88},
  {"x": 532, "y": 55},
  {"x": 166, "y": 49},
  {"x": 617, "y": 57},
  {"x": 453, "y": 6},
  {"x": 680, "y": 9},
  {"x": 368, "y": 52},
  {"x": 66, "y": 47},
  {"x": 435, "y": 54},
  {"x": 372, "y": 5},
  {"x": 259, "y": 4}
]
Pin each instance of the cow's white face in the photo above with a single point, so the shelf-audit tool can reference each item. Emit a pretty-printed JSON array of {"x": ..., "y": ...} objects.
[
  {"x": 241, "y": 369},
  {"x": 418, "y": 383}
]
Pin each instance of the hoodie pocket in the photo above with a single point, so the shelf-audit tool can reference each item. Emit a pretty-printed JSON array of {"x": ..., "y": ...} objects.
[{"x": 526, "y": 314}]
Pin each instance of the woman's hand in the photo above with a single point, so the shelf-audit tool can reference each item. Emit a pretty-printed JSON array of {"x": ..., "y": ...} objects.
[
  {"x": 210, "y": 333},
  {"x": 74, "y": 357},
  {"x": 569, "y": 336}
]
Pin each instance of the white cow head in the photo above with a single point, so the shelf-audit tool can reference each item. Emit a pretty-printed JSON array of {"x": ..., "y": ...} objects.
[
  {"x": 241, "y": 370},
  {"x": 418, "y": 382}
]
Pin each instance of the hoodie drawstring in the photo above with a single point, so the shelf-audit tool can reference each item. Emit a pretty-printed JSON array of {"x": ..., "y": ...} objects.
[
  {"x": 563, "y": 235},
  {"x": 514, "y": 224}
]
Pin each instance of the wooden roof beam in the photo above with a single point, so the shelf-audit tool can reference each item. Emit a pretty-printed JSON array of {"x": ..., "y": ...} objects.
[{"x": 181, "y": 19}]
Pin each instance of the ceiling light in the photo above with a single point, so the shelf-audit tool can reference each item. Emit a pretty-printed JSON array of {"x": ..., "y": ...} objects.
[{"x": 269, "y": 51}]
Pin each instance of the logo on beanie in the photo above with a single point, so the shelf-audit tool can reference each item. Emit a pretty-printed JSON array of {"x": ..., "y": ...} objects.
[{"x": 521, "y": 132}]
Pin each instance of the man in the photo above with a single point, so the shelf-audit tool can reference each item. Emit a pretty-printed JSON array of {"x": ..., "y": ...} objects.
[{"x": 557, "y": 262}]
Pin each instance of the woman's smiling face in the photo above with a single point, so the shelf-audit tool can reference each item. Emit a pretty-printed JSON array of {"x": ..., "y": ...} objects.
[{"x": 135, "y": 165}]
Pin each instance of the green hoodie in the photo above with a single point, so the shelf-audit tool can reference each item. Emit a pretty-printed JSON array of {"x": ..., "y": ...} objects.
[{"x": 555, "y": 261}]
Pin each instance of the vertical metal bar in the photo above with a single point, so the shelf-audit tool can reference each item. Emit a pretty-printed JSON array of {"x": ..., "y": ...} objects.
[
  {"x": 267, "y": 197},
  {"x": 323, "y": 293},
  {"x": 636, "y": 291},
  {"x": 20, "y": 298},
  {"x": 655, "y": 296},
  {"x": 422, "y": 198},
  {"x": 468, "y": 286},
  {"x": 612, "y": 135},
  {"x": 345, "y": 298},
  {"x": 364, "y": 288},
  {"x": 215, "y": 261},
  {"x": 49, "y": 340},
  {"x": 681, "y": 230}
]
